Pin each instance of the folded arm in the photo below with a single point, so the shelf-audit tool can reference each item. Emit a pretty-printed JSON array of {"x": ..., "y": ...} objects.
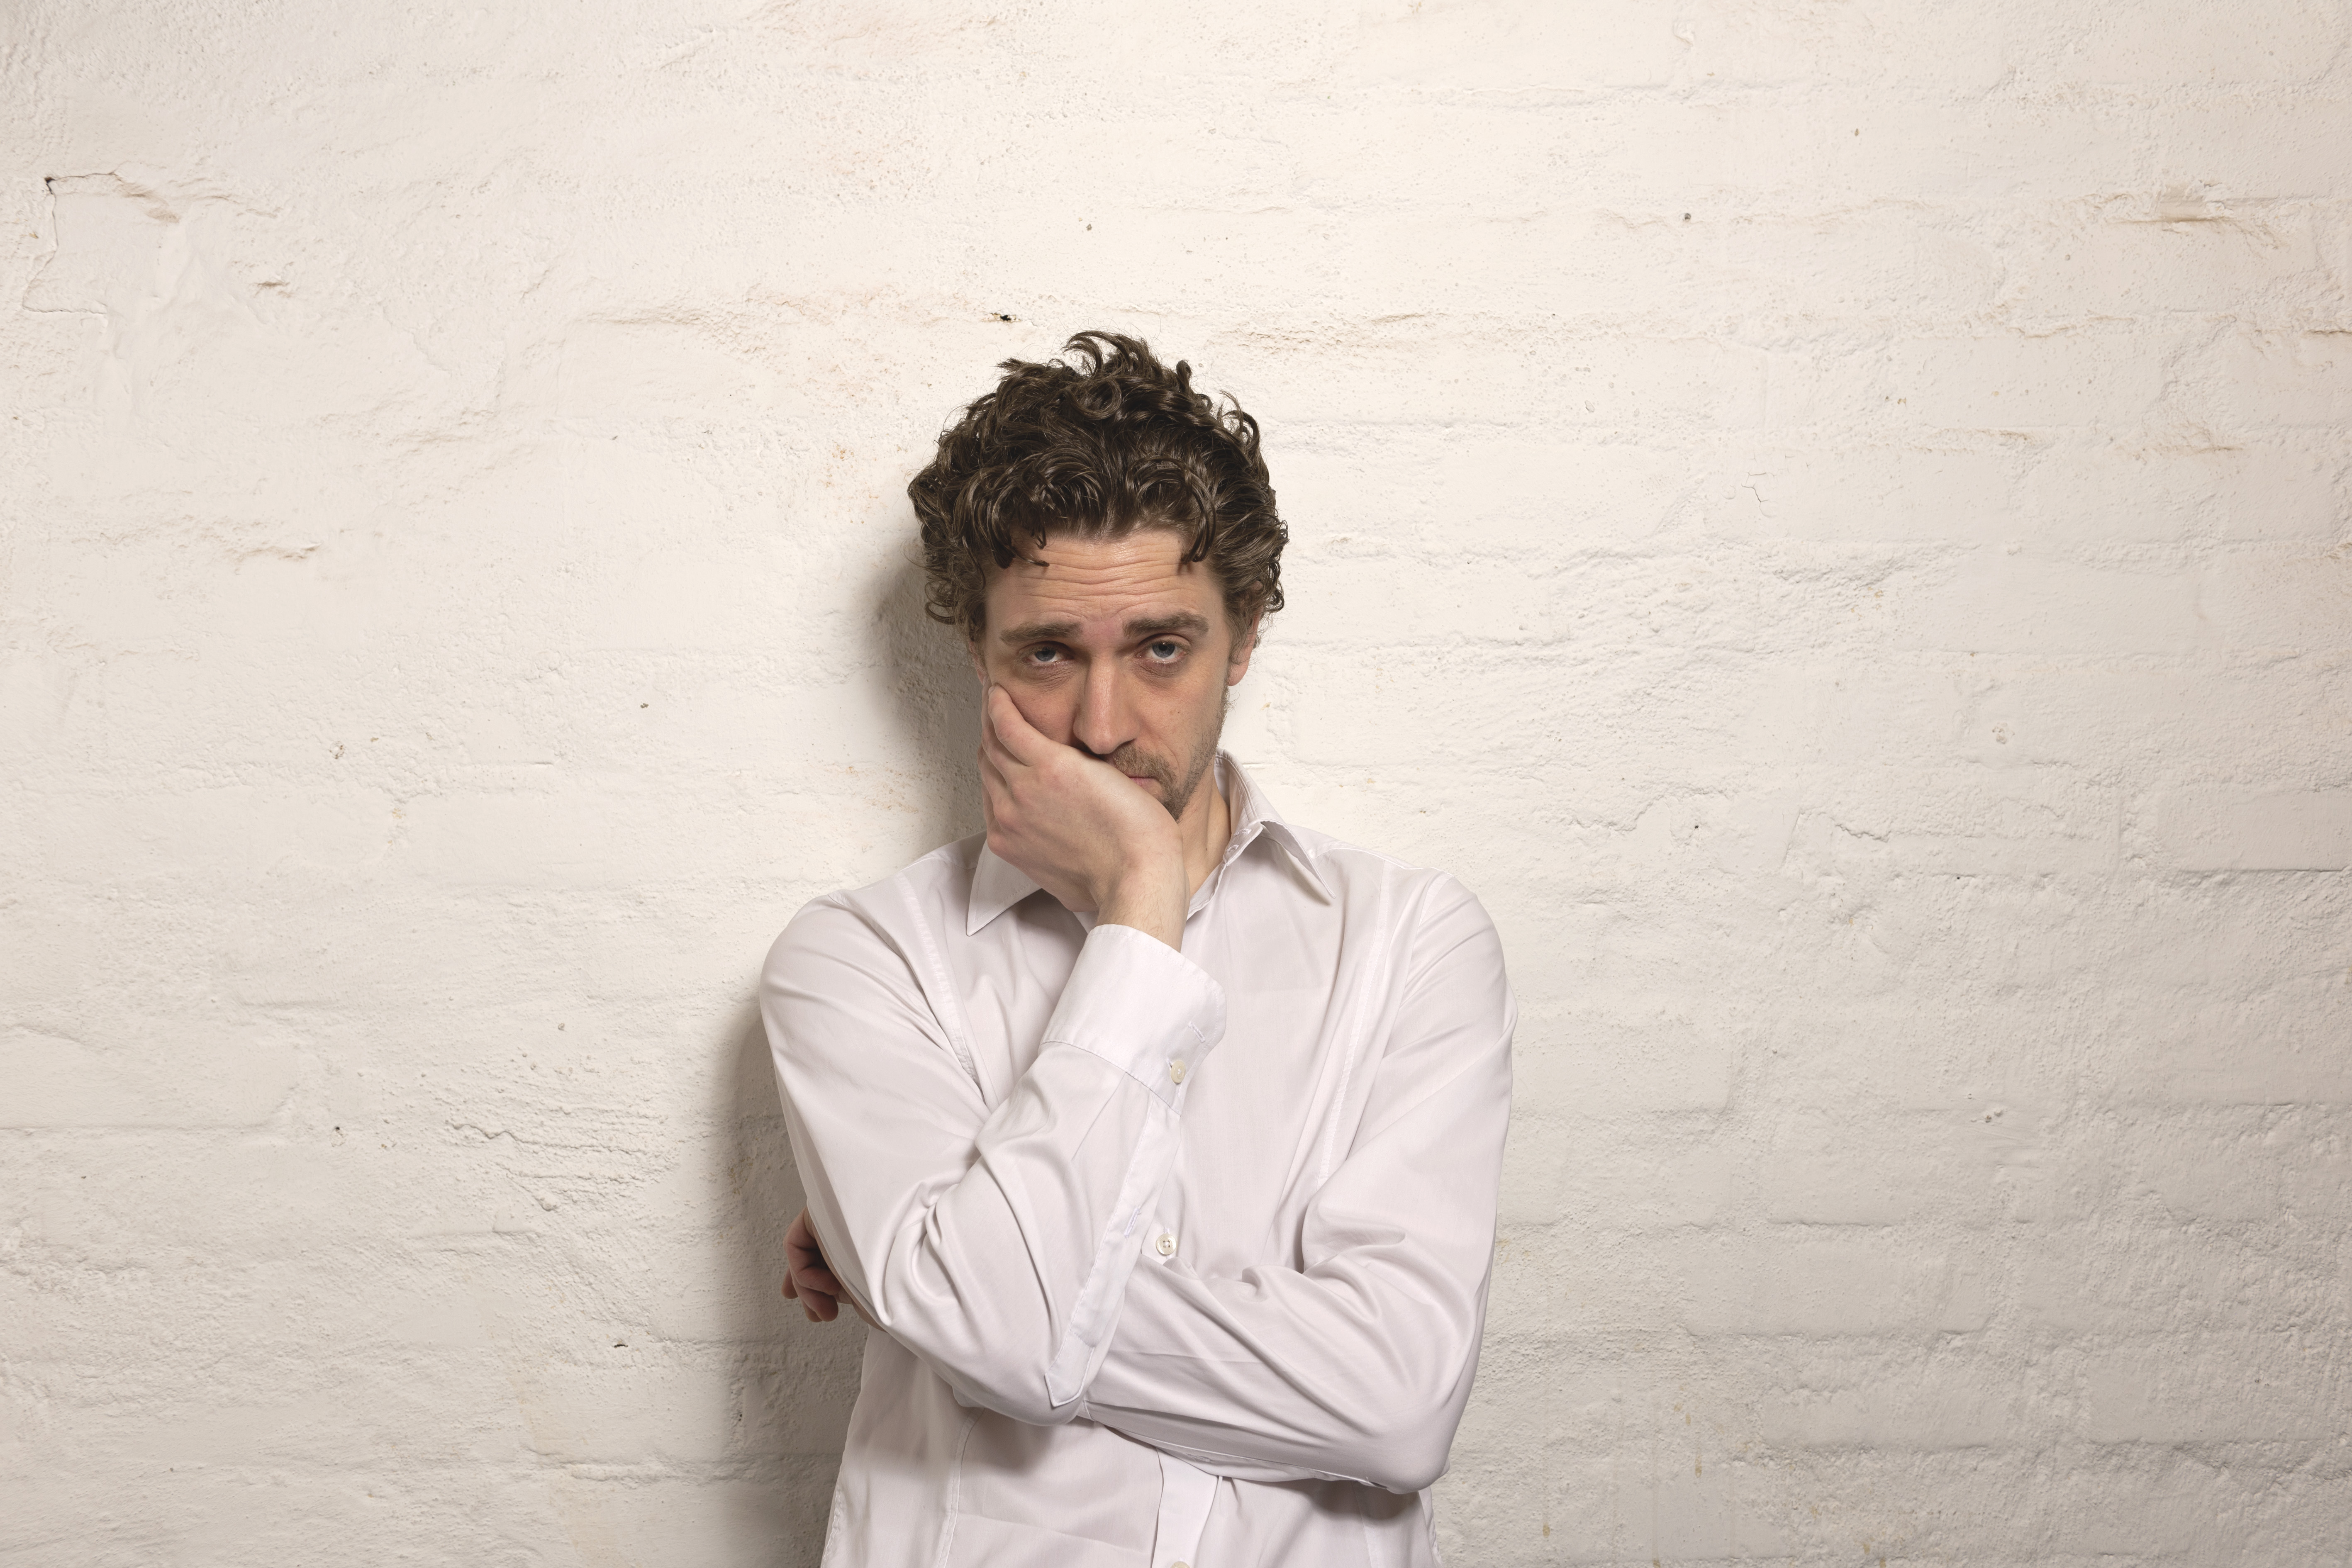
[
  {"x": 1358, "y": 1365},
  {"x": 994, "y": 1244}
]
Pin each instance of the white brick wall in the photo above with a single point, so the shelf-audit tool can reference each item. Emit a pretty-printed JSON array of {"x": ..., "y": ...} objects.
[{"x": 1832, "y": 516}]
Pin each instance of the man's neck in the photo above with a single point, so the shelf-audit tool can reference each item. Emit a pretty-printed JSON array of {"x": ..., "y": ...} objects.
[{"x": 1206, "y": 827}]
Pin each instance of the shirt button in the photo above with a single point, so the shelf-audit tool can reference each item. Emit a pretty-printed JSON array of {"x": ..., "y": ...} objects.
[
  {"x": 1166, "y": 1245},
  {"x": 1176, "y": 1070}
]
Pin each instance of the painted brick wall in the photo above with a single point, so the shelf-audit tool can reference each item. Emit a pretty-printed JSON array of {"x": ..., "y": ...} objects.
[{"x": 1833, "y": 516}]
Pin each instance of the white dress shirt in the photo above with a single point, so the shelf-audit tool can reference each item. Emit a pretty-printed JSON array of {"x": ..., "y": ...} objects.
[{"x": 1177, "y": 1258}]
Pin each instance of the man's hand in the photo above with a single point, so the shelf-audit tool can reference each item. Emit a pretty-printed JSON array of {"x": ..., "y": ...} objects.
[
  {"x": 809, "y": 1281},
  {"x": 1084, "y": 831}
]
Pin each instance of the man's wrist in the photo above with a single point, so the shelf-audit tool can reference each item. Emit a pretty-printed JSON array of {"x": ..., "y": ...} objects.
[{"x": 1151, "y": 899}]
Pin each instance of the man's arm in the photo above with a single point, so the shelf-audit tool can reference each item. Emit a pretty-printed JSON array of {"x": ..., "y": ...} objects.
[
  {"x": 1359, "y": 1365},
  {"x": 1356, "y": 1368},
  {"x": 995, "y": 1245}
]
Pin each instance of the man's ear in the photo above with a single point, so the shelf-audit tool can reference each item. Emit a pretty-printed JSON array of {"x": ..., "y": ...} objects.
[{"x": 1237, "y": 661}]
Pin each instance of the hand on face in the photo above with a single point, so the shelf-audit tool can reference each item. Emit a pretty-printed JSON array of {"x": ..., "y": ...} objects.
[{"x": 1082, "y": 829}]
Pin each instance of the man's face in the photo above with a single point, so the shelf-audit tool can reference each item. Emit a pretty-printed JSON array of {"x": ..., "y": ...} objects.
[{"x": 1118, "y": 646}]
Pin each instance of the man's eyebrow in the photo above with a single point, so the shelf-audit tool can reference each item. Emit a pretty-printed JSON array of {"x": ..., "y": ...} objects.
[
  {"x": 1039, "y": 632},
  {"x": 1183, "y": 620},
  {"x": 1141, "y": 626}
]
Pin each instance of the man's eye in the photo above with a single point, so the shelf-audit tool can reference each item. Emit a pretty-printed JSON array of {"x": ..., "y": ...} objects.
[
  {"x": 1164, "y": 649},
  {"x": 1044, "y": 656}
]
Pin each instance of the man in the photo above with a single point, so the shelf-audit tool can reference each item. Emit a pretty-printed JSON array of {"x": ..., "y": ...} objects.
[{"x": 1157, "y": 1138}]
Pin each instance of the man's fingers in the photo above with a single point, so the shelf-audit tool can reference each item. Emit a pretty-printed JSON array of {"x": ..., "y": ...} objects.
[
  {"x": 811, "y": 1279},
  {"x": 801, "y": 1247},
  {"x": 994, "y": 761},
  {"x": 1010, "y": 727},
  {"x": 807, "y": 1279},
  {"x": 993, "y": 744},
  {"x": 995, "y": 789},
  {"x": 820, "y": 1305}
]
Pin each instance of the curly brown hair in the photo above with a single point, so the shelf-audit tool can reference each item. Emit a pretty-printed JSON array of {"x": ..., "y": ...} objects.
[{"x": 1107, "y": 441}]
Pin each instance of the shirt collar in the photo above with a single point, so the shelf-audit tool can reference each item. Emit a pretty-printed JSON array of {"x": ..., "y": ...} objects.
[{"x": 997, "y": 885}]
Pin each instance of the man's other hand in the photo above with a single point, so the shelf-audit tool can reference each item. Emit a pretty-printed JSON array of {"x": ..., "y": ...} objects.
[
  {"x": 1082, "y": 829},
  {"x": 808, "y": 1280}
]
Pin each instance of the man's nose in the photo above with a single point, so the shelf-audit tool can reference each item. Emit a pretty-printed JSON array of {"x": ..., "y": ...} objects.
[{"x": 1104, "y": 720}]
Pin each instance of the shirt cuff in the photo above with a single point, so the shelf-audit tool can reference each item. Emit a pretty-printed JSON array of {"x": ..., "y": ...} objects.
[{"x": 1140, "y": 1006}]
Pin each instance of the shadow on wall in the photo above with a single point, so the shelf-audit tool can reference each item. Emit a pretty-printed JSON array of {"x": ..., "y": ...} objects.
[
  {"x": 795, "y": 1380},
  {"x": 935, "y": 707}
]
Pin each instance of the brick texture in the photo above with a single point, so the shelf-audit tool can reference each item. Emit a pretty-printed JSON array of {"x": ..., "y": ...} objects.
[{"x": 1833, "y": 518}]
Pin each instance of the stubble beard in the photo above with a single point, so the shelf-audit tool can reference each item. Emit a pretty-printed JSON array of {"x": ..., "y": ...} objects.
[{"x": 1134, "y": 760}]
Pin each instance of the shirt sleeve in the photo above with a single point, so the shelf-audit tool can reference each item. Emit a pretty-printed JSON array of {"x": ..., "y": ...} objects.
[
  {"x": 994, "y": 1243},
  {"x": 1358, "y": 1365}
]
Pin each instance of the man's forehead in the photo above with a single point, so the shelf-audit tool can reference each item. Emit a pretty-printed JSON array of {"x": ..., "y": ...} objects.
[
  {"x": 1119, "y": 581},
  {"x": 1079, "y": 557}
]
